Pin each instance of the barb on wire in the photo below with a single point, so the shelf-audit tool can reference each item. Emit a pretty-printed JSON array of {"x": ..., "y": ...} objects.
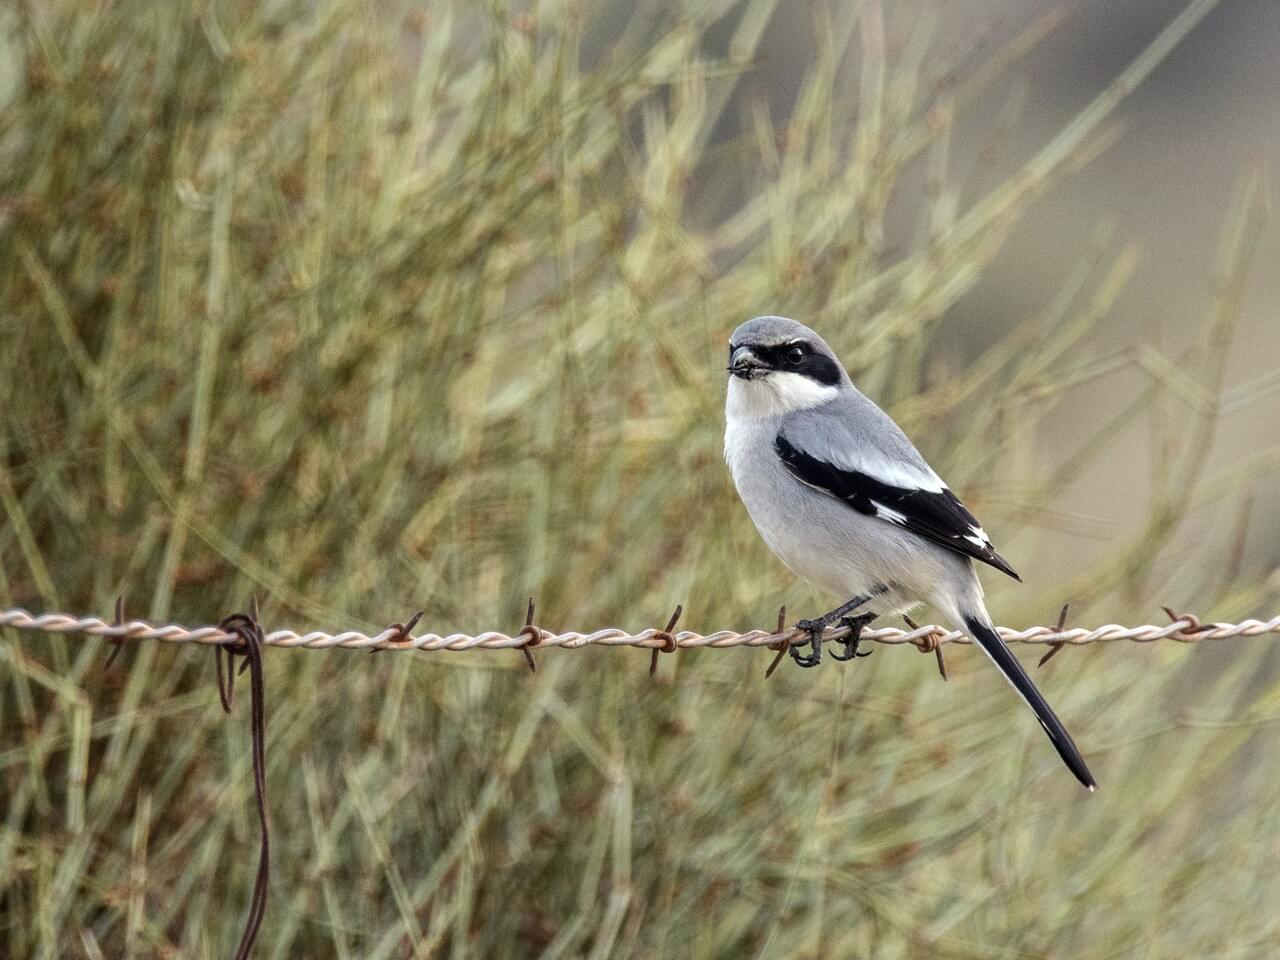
[
  {"x": 935, "y": 646},
  {"x": 1055, "y": 647},
  {"x": 248, "y": 642},
  {"x": 533, "y": 635},
  {"x": 1185, "y": 629},
  {"x": 668, "y": 640},
  {"x": 402, "y": 631},
  {"x": 783, "y": 645},
  {"x": 1195, "y": 627},
  {"x": 117, "y": 644}
]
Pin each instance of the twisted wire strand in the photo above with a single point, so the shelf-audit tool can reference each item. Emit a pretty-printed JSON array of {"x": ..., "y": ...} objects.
[{"x": 1185, "y": 629}]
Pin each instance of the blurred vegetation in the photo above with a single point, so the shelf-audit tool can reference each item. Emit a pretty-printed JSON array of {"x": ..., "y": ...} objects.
[{"x": 370, "y": 307}]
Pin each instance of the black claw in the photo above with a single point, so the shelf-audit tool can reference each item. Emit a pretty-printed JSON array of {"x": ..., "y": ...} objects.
[
  {"x": 850, "y": 642},
  {"x": 815, "y": 629}
]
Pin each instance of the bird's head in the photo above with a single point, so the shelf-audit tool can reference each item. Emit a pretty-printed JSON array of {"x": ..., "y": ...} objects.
[{"x": 778, "y": 366}]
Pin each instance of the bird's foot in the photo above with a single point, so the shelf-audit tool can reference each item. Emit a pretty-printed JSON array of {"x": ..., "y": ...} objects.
[
  {"x": 815, "y": 629},
  {"x": 850, "y": 642}
]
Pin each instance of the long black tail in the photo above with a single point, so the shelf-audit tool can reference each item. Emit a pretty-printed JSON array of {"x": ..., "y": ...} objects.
[{"x": 1008, "y": 664}]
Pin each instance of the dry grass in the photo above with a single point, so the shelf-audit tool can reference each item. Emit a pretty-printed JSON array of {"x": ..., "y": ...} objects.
[{"x": 290, "y": 309}]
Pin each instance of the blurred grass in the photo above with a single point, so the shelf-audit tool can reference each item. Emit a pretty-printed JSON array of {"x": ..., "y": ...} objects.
[{"x": 372, "y": 307}]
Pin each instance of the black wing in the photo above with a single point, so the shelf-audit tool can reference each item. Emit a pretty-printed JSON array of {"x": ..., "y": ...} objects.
[{"x": 937, "y": 516}]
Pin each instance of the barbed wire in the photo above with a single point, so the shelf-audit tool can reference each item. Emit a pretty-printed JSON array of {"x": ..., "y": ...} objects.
[
  {"x": 241, "y": 635},
  {"x": 1184, "y": 628}
]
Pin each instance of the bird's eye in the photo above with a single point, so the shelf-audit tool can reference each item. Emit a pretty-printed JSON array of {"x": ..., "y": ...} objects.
[{"x": 795, "y": 356}]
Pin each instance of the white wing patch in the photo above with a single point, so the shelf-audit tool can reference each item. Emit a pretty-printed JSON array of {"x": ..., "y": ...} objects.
[
  {"x": 885, "y": 513},
  {"x": 978, "y": 537}
]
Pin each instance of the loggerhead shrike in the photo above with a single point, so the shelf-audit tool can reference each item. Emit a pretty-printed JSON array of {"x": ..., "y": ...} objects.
[{"x": 845, "y": 500}]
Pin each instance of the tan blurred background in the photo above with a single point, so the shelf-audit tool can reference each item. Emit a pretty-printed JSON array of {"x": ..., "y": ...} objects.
[{"x": 370, "y": 307}]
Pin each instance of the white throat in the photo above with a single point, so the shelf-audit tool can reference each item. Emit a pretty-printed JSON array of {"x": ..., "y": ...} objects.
[{"x": 774, "y": 395}]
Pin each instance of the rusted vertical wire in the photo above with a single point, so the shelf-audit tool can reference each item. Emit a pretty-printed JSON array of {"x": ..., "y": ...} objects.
[{"x": 248, "y": 630}]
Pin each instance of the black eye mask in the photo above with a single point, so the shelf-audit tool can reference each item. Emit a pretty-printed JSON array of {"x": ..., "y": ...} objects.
[{"x": 816, "y": 366}]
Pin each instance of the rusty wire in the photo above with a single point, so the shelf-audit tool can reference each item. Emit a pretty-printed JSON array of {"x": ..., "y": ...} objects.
[
  {"x": 248, "y": 631},
  {"x": 1185, "y": 628}
]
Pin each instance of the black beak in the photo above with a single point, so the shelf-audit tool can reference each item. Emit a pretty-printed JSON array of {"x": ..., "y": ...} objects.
[{"x": 745, "y": 364}]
